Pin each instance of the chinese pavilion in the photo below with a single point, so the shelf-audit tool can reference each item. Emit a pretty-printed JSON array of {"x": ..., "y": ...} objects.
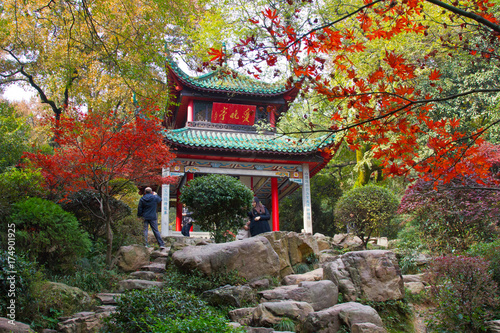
[{"x": 212, "y": 129}]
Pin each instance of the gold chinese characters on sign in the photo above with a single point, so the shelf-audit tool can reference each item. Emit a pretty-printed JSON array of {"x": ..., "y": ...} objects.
[{"x": 237, "y": 114}]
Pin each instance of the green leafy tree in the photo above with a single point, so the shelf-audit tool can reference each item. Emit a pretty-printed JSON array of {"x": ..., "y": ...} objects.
[
  {"x": 49, "y": 234},
  {"x": 13, "y": 136},
  {"x": 366, "y": 210},
  {"x": 219, "y": 202}
]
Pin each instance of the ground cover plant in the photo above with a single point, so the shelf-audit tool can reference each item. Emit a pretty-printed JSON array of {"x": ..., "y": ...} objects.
[{"x": 165, "y": 310}]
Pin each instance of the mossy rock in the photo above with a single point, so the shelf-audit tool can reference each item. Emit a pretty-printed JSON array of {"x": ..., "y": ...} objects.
[{"x": 61, "y": 297}]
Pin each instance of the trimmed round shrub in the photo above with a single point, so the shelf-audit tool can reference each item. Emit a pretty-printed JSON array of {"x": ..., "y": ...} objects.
[
  {"x": 48, "y": 234},
  {"x": 366, "y": 210},
  {"x": 220, "y": 203}
]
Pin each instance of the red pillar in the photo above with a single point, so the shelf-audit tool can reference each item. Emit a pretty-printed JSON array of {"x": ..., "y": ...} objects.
[
  {"x": 178, "y": 212},
  {"x": 275, "y": 204}
]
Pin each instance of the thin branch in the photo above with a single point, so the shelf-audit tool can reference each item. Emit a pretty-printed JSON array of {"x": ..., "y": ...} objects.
[{"x": 481, "y": 20}]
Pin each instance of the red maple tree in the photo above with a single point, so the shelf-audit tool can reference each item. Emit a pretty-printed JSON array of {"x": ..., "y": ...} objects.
[
  {"x": 381, "y": 107},
  {"x": 103, "y": 153}
]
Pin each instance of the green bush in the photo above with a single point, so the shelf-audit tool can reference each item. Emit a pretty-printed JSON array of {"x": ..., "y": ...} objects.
[
  {"x": 91, "y": 275},
  {"x": 201, "y": 323},
  {"x": 366, "y": 210},
  {"x": 140, "y": 309},
  {"x": 48, "y": 234},
  {"x": 26, "y": 277},
  {"x": 220, "y": 203},
  {"x": 127, "y": 231},
  {"x": 490, "y": 252},
  {"x": 17, "y": 185},
  {"x": 408, "y": 247},
  {"x": 395, "y": 314}
]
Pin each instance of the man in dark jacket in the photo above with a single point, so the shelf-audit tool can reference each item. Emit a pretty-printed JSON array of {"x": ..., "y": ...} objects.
[{"x": 147, "y": 210}]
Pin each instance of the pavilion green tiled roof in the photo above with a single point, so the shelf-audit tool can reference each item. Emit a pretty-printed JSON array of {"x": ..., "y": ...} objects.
[
  {"x": 229, "y": 81},
  {"x": 220, "y": 140}
]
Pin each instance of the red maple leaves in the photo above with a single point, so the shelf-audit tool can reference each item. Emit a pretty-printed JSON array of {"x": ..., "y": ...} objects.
[
  {"x": 379, "y": 107},
  {"x": 95, "y": 149}
]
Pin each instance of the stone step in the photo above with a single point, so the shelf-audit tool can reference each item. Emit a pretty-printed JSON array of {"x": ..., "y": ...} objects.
[
  {"x": 136, "y": 284},
  {"x": 161, "y": 260},
  {"x": 146, "y": 275},
  {"x": 108, "y": 298},
  {"x": 161, "y": 253},
  {"x": 154, "y": 267}
]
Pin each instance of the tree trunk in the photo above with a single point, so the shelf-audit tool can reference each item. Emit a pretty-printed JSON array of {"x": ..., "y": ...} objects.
[
  {"x": 109, "y": 239},
  {"x": 106, "y": 210}
]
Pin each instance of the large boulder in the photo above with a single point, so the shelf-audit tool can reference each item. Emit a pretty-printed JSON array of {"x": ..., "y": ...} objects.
[
  {"x": 132, "y": 257},
  {"x": 292, "y": 248},
  {"x": 371, "y": 275},
  {"x": 319, "y": 294},
  {"x": 271, "y": 313},
  {"x": 12, "y": 326},
  {"x": 252, "y": 258},
  {"x": 356, "y": 316}
]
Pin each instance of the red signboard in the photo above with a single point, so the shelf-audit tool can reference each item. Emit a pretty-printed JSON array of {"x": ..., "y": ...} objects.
[{"x": 237, "y": 114}]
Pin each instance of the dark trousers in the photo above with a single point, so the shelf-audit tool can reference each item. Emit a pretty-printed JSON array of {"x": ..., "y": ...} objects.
[
  {"x": 154, "y": 227},
  {"x": 185, "y": 229}
]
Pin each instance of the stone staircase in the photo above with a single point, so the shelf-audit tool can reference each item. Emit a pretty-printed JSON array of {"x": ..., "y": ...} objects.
[{"x": 91, "y": 321}]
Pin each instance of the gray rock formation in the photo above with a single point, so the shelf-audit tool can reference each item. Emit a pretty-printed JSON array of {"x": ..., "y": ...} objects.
[
  {"x": 319, "y": 294},
  {"x": 252, "y": 258},
  {"x": 270, "y": 313},
  {"x": 356, "y": 316},
  {"x": 371, "y": 275},
  {"x": 131, "y": 284},
  {"x": 86, "y": 322},
  {"x": 230, "y": 295}
]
